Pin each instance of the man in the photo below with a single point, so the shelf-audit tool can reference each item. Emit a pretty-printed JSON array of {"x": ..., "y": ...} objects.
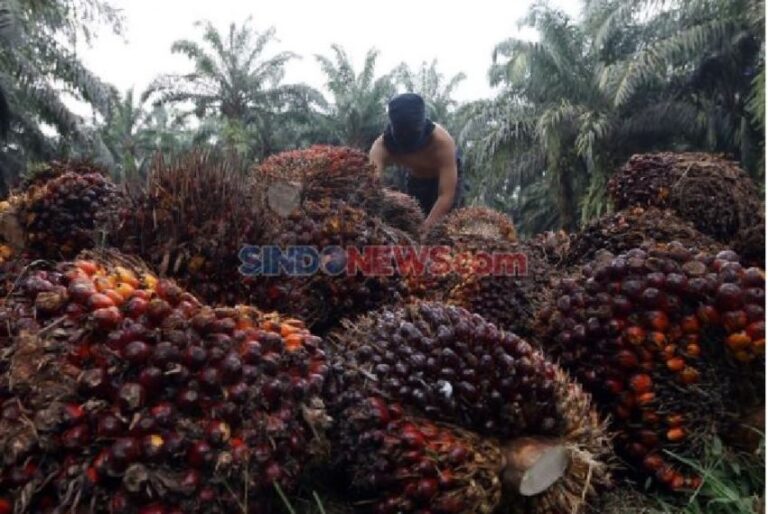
[{"x": 413, "y": 141}]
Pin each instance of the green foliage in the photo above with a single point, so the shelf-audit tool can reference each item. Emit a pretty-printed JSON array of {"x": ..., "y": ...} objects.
[
  {"x": 428, "y": 82},
  {"x": 357, "y": 113},
  {"x": 235, "y": 85},
  {"x": 631, "y": 77},
  {"x": 39, "y": 68},
  {"x": 733, "y": 483}
]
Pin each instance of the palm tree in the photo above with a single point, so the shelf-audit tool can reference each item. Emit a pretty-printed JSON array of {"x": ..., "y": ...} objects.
[
  {"x": 38, "y": 63},
  {"x": 428, "y": 82},
  {"x": 577, "y": 102},
  {"x": 710, "y": 52},
  {"x": 133, "y": 134},
  {"x": 233, "y": 82},
  {"x": 358, "y": 111}
]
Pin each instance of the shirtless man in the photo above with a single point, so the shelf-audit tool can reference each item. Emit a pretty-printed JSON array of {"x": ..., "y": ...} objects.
[{"x": 426, "y": 149}]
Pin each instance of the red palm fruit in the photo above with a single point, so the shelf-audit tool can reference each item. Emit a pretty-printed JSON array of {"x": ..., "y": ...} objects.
[
  {"x": 641, "y": 383},
  {"x": 738, "y": 341},
  {"x": 708, "y": 315},
  {"x": 658, "y": 320},
  {"x": 627, "y": 359},
  {"x": 675, "y": 434},
  {"x": 81, "y": 290},
  {"x": 676, "y": 364},
  {"x": 689, "y": 375},
  {"x": 690, "y": 325},
  {"x": 735, "y": 320},
  {"x": 635, "y": 335},
  {"x": 107, "y": 318},
  {"x": 148, "y": 412},
  {"x": 100, "y": 301}
]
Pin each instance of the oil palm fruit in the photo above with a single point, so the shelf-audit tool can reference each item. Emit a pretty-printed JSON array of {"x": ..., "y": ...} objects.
[
  {"x": 622, "y": 231},
  {"x": 443, "y": 363},
  {"x": 398, "y": 210},
  {"x": 320, "y": 172},
  {"x": 123, "y": 393},
  {"x": 664, "y": 339},
  {"x": 322, "y": 298},
  {"x": 712, "y": 193},
  {"x": 66, "y": 208}
]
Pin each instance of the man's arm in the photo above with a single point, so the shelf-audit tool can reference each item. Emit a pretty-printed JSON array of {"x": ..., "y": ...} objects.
[
  {"x": 446, "y": 191},
  {"x": 378, "y": 155}
]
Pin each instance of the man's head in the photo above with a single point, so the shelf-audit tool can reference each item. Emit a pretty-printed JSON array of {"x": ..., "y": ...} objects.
[{"x": 409, "y": 128}]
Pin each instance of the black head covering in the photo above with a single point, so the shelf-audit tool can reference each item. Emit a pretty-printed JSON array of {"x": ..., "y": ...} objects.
[{"x": 409, "y": 128}]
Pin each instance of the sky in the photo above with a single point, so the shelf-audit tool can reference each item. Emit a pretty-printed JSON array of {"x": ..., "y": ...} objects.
[{"x": 461, "y": 37}]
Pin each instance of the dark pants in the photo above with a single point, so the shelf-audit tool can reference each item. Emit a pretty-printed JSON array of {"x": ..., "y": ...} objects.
[{"x": 425, "y": 190}]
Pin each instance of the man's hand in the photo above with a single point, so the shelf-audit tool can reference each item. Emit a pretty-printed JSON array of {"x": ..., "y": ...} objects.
[{"x": 446, "y": 192}]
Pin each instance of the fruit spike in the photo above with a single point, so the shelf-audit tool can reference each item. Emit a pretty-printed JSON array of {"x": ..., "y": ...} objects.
[
  {"x": 118, "y": 416},
  {"x": 450, "y": 365},
  {"x": 661, "y": 337},
  {"x": 713, "y": 194}
]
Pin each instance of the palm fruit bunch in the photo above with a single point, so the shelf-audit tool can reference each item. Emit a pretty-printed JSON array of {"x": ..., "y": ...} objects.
[
  {"x": 189, "y": 221},
  {"x": 398, "y": 210},
  {"x": 471, "y": 223},
  {"x": 509, "y": 300},
  {"x": 712, "y": 193},
  {"x": 665, "y": 339},
  {"x": 498, "y": 411},
  {"x": 320, "y": 172},
  {"x": 323, "y": 298},
  {"x": 65, "y": 208},
  {"x": 122, "y": 393},
  {"x": 485, "y": 269},
  {"x": 631, "y": 228}
]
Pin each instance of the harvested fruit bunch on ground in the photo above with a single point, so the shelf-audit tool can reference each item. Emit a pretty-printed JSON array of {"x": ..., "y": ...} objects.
[
  {"x": 190, "y": 220},
  {"x": 63, "y": 212},
  {"x": 449, "y": 365},
  {"x": 321, "y": 172},
  {"x": 473, "y": 222},
  {"x": 665, "y": 340},
  {"x": 122, "y": 393},
  {"x": 712, "y": 193},
  {"x": 398, "y": 210},
  {"x": 620, "y": 232},
  {"x": 322, "y": 298}
]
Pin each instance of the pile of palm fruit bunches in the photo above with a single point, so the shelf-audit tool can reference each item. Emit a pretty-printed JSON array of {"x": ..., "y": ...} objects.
[{"x": 142, "y": 372}]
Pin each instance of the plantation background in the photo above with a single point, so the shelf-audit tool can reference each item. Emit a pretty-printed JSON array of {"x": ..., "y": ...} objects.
[{"x": 572, "y": 104}]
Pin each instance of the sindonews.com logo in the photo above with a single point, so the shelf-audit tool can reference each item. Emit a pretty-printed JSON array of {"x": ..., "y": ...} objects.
[{"x": 376, "y": 261}]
